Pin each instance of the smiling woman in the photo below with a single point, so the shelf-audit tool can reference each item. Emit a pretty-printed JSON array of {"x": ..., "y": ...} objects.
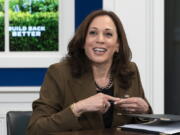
[
  {"x": 101, "y": 41},
  {"x": 85, "y": 89}
]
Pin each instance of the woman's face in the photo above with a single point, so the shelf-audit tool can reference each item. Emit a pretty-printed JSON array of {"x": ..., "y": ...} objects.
[{"x": 101, "y": 41}]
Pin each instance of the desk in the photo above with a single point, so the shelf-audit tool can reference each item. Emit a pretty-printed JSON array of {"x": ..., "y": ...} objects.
[{"x": 101, "y": 132}]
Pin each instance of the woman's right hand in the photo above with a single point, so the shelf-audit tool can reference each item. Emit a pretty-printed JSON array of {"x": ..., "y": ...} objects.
[{"x": 99, "y": 102}]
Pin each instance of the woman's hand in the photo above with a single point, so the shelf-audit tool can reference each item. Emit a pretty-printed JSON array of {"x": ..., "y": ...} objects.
[
  {"x": 133, "y": 105},
  {"x": 99, "y": 102}
]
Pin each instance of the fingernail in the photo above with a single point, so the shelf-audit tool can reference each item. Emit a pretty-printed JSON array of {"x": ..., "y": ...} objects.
[{"x": 126, "y": 96}]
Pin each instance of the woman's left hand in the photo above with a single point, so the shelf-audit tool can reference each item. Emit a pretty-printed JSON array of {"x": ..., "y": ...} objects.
[{"x": 133, "y": 105}]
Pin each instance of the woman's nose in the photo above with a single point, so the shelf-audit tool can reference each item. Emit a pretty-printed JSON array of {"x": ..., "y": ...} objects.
[{"x": 100, "y": 38}]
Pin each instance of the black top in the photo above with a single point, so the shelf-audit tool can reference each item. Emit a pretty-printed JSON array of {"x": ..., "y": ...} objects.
[{"x": 108, "y": 116}]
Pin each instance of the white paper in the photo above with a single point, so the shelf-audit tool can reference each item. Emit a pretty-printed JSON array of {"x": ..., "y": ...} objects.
[{"x": 161, "y": 127}]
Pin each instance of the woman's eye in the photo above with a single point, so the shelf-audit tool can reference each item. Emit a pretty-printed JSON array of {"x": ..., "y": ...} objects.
[
  {"x": 92, "y": 33},
  {"x": 109, "y": 34}
]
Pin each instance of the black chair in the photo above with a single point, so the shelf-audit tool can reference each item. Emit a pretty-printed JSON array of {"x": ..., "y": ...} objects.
[{"x": 17, "y": 122}]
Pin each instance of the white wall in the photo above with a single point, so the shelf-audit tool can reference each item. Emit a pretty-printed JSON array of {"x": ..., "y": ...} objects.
[{"x": 144, "y": 25}]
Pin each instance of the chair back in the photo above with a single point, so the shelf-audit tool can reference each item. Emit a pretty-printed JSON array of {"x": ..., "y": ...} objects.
[{"x": 17, "y": 122}]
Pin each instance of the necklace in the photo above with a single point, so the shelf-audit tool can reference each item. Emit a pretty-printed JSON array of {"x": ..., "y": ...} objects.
[{"x": 109, "y": 85}]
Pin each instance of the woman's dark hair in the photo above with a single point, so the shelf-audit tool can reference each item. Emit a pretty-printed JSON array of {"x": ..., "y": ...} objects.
[{"x": 78, "y": 60}]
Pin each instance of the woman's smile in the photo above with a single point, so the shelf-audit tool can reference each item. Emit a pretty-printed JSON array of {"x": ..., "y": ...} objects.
[{"x": 99, "y": 51}]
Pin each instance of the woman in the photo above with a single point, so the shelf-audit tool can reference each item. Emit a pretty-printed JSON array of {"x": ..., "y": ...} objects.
[{"x": 93, "y": 83}]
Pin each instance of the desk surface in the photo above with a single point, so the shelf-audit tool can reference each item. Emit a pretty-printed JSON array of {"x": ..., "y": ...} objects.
[{"x": 101, "y": 132}]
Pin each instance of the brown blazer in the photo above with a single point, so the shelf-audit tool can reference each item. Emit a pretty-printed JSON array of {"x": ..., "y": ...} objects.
[{"x": 52, "y": 113}]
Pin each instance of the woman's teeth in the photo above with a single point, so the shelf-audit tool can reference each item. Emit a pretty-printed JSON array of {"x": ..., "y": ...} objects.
[{"x": 99, "y": 49}]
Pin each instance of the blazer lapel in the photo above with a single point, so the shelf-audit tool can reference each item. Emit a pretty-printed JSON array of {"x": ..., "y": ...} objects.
[
  {"x": 118, "y": 91},
  {"x": 82, "y": 88}
]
